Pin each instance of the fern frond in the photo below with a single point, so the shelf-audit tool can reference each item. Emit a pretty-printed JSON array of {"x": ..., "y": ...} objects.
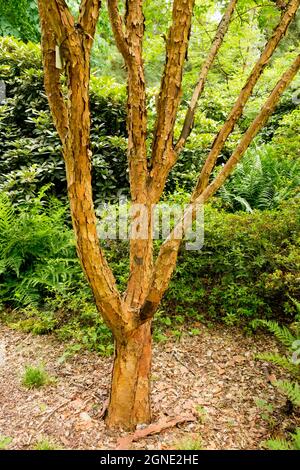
[
  {"x": 244, "y": 203},
  {"x": 282, "y": 333},
  {"x": 280, "y": 361},
  {"x": 7, "y": 215},
  {"x": 296, "y": 303},
  {"x": 296, "y": 438},
  {"x": 277, "y": 444},
  {"x": 283, "y": 444},
  {"x": 291, "y": 390}
]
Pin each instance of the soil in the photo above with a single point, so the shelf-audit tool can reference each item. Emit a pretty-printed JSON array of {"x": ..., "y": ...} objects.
[{"x": 212, "y": 377}]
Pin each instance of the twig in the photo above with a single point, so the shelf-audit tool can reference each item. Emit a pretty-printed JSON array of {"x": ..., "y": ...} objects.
[
  {"x": 175, "y": 354},
  {"x": 52, "y": 413}
]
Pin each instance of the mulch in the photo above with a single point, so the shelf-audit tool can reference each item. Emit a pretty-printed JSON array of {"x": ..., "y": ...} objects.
[{"x": 213, "y": 377}]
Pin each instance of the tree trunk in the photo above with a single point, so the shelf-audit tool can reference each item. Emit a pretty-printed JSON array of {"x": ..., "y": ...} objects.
[
  {"x": 129, "y": 316},
  {"x": 130, "y": 390}
]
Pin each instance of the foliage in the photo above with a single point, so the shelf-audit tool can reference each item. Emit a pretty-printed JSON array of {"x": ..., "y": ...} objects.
[
  {"x": 73, "y": 318},
  {"x": 45, "y": 444},
  {"x": 4, "y": 441},
  {"x": 19, "y": 18},
  {"x": 290, "y": 390},
  {"x": 266, "y": 411},
  {"x": 30, "y": 151},
  {"x": 37, "y": 251},
  {"x": 290, "y": 339},
  {"x": 292, "y": 443},
  {"x": 282, "y": 333},
  {"x": 289, "y": 362},
  {"x": 35, "y": 377},
  {"x": 263, "y": 180},
  {"x": 248, "y": 267}
]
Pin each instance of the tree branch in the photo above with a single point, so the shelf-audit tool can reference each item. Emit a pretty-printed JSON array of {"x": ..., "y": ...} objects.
[
  {"x": 74, "y": 128},
  {"x": 88, "y": 16},
  {"x": 59, "y": 17},
  {"x": 163, "y": 156},
  {"x": 52, "y": 76},
  {"x": 117, "y": 27},
  {"x": 244, "y": 96},
  {"x": 217, "y": 42},
  {"x": 166, "y": 261},
  {"x": 141, "y": 250},
  {"x": 251, "y": 132}
]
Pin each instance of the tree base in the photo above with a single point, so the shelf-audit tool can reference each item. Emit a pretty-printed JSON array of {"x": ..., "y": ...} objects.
[{"x": 130, "y": 390}]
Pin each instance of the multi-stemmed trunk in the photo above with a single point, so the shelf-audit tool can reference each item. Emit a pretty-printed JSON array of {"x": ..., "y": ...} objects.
[{"x": 129, "y": 316}]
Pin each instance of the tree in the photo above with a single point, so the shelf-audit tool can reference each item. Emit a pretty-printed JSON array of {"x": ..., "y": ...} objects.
[{"x": 66, "y": 45}]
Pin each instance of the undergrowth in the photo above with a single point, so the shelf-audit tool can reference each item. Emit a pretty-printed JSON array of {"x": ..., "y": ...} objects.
[{"x": 36, "y": 377}]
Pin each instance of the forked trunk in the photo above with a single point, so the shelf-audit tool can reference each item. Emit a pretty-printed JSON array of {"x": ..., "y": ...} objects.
[
  {"x": 129, "y": 316},
  {"x": 130, "y": 390}
]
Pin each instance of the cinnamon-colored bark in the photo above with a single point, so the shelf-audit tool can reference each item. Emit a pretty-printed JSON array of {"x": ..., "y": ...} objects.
[
  {"x": 129, "y": 316},
  {"x": 216, "y": 44},
  {"x": 72, "y": 120},
  {"x": 163, "y": 155},
  {"x": 130, "y": 392}
]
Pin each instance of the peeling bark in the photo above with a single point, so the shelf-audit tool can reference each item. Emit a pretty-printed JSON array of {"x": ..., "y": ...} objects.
[
  {"x": 130, "y": 392},
  {"x": 129, "y": 316},
  {"x": 72, "y": 120},
  {"x": 163, "y": 156}
]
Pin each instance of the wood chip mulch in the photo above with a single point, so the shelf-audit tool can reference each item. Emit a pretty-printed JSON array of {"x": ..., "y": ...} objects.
[{"x": 213, "y": 376}]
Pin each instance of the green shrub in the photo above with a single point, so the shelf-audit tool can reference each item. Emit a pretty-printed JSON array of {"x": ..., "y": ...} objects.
[
  {"x": 30, "y": 150},
  {"x": 35, "y": 377},
  {"x": 21, "y": 20},
  {"x": 249, "y": 267}
]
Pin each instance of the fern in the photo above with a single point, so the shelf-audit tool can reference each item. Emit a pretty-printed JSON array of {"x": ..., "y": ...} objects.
[
  {"x": 261, "y": 181},
  {"x": 280, "y": 361},
  {"x": 296, "y": 439},
  {"x": 293, "y": 443},
  {"x": 297, "y": 305},
  {"x": 37, "y": 251},
  {"x": 291, "y": 390},
  {"x": 278, "y": 444},
  {"x": 282, "y": 333}
]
